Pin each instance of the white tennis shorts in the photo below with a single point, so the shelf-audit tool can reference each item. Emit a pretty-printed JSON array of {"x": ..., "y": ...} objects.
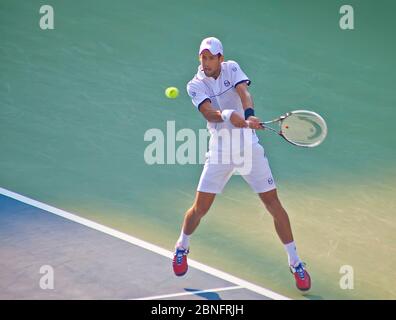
[{"x": 215, "y": 176}]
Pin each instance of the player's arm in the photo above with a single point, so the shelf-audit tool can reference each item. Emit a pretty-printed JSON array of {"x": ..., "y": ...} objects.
[
  {"x": 209, "y": 113},
  {"x": 244, "y": 94},
  {"x": 247, "y": 103},
  {"x": 213, "y": 115}
]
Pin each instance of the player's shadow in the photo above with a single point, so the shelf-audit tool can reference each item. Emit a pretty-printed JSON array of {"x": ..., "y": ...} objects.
[{"x": 206, "y": 295}]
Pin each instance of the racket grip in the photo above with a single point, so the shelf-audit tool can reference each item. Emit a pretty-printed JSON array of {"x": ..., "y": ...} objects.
[{"x": 262, "y": 124}]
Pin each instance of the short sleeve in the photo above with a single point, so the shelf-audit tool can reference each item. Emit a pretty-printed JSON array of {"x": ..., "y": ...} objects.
[
  {"x": 237, "y": 75},
  {"x": 197, "y": 93}
]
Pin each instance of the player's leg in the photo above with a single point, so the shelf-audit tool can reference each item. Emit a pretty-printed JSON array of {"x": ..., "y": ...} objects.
[
  {"x": 261, "y": 181},
  {"x": 201, "y": 206},
  {"x": 193, "y": 216},
  {"x": 281, "y": 219},
  {"x": 213, "y": 179},
  {"x": 283, "y": 228}
]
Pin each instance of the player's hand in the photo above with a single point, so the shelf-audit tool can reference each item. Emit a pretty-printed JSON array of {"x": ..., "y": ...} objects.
[
  {"x": 254, "y": 123},
  {"x": 238, "y": 121}
]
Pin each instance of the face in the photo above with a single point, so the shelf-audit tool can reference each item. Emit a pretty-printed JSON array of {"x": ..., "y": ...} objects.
[{"x": 211, "y": 64}]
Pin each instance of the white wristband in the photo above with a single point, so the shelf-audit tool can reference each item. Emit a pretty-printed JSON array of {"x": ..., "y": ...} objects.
[{"x": 226, "y": 114}]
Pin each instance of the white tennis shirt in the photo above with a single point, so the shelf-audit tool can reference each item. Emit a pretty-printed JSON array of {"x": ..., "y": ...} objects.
[{"x": 222, "y": 94}]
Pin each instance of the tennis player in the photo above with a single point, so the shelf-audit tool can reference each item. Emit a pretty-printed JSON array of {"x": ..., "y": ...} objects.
[{"x": 219, "y": 91}]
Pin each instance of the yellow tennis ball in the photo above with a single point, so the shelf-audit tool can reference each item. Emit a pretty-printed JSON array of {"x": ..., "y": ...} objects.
[{"x": 172, "y": 92}]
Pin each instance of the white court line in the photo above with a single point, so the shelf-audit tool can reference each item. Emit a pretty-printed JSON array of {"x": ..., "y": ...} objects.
[
  {"x": 180, "y": 294},
  {"x": 143, "y": 244}
]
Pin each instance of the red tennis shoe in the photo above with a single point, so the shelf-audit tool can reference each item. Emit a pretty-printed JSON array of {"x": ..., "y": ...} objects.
[
  {"x": 303, "y": 280},
  {"x": 180, "y": 265}
]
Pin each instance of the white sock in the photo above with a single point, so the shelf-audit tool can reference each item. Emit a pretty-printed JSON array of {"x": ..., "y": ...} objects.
[
  {"x": 292, "y": 253},
  {"x": 183, "y": 241}
]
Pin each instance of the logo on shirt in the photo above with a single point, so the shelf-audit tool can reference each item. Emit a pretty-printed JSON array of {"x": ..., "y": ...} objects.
[
  {"x": 193, "y": 94},
  {"x": 226, "y": 83},
  {"x": 234, "y": 69},
  {"x": 270, "y": 181}
]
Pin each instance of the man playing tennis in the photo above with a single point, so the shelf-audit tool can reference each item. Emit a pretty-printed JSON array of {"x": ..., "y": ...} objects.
[{"x": 219, "y": 90}]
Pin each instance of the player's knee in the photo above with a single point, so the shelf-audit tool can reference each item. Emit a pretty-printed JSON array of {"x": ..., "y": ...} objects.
[
  {"x": 272, "y": 203},
  {"x": 200, "y": 210},
  {"x": 269, "y": 198}
]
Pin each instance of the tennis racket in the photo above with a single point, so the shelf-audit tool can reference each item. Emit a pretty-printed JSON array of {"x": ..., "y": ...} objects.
[{"x": 300, "y": 127}]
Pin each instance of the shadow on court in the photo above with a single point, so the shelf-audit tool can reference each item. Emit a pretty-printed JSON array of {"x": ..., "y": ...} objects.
[{"x": 205, "y": 295}]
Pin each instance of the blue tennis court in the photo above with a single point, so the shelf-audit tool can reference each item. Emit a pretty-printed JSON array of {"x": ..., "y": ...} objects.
[{"x": 91, "y": 261}]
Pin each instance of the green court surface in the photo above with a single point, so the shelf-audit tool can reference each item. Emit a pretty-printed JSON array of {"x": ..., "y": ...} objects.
[{"x": 76, "y": 101}]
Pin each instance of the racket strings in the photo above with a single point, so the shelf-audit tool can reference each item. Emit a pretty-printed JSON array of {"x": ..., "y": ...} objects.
[{"x": 304, "y": 128}]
